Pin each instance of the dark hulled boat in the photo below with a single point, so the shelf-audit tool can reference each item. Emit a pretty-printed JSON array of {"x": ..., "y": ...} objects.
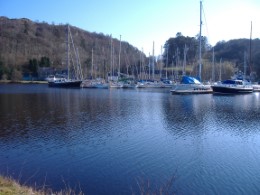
[
  {"x": 232, "y": 87},
  {"x": 73, "y": 78},
  {"x": 65, "y": 83}
]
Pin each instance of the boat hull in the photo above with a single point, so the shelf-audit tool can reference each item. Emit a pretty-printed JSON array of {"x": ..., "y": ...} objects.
[
  {"x": 256, "y": 88},
  {"x": 232, "y": 90},
  {"x": 191, "y": 89},
  {"x": 65, "y": 84}
]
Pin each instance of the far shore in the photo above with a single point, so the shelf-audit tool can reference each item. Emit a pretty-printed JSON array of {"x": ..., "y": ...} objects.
[{"x": 24, "y": 82}]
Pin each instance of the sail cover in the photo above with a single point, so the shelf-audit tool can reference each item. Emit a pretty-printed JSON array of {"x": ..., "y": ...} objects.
[{"x": 189, "y": 80}]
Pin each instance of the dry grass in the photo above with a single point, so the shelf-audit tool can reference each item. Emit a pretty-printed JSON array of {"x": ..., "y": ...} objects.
[{"x": 9, "y": 186}]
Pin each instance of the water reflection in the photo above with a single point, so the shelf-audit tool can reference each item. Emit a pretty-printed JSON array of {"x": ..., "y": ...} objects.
[
  {"x": 106, "y": 139},
  {"x": 186, "y": 115},
  {"x": 198, "y": 113}
]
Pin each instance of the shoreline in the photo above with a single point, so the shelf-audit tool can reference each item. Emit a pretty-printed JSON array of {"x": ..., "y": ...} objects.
[{"x": 22, "y": 82}]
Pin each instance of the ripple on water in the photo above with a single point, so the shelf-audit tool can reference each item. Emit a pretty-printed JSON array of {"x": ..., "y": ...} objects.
[{"x": 108, "y": 140}]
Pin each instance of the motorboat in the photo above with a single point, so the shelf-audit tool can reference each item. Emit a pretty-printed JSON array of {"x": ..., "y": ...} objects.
[
  {"x": 232, "y": 86},
  {"x": 190, "y": 85}
]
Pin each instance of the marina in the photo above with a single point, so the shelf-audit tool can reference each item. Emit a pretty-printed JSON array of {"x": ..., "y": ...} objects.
[
  {"x": 93, "y": 101},
  {"x": 114, "y": 141}
]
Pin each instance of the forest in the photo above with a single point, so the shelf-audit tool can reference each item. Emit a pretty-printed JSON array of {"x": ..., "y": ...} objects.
[{"x": 28, "y": 47}]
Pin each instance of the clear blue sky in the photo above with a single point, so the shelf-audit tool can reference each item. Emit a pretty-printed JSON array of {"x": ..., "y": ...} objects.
[{"x": 140, "y": 22}]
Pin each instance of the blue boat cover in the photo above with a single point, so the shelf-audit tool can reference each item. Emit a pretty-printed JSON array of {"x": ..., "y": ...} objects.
[{"x": 189, "y": 80}]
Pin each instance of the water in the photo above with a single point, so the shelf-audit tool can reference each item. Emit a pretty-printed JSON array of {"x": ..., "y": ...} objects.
[{"x": 128, "y": 141}]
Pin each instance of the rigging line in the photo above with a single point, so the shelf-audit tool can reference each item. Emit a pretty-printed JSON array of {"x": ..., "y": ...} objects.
[{"x": 203, "y": 11}]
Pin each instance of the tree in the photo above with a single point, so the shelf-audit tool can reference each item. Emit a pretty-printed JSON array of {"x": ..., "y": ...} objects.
[
  {"x": 16, "y": 75},
  {"x": 2, "y": 69},
  {"x": 33, "y": 66},
  {"x": 177, "y": 44},
  {"x": 44, "y": 62}
]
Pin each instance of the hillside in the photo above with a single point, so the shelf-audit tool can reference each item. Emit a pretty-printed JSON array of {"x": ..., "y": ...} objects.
[{"x": 26, "y": 45}]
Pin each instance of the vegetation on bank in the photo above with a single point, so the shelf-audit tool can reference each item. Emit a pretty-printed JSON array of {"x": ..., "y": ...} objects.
[
  {"x": 9, "y": 186},
  {"x": 27, "y": 46}
]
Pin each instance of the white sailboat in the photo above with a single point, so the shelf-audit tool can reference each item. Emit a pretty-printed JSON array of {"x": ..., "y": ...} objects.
[
  {"x": 98, "y": 83},
  {"x": 191, "y": 85},
  {"x": 114, "y": 80}
]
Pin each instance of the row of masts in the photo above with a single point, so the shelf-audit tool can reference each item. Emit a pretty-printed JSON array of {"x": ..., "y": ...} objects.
[{"x": 142, "y": 73}]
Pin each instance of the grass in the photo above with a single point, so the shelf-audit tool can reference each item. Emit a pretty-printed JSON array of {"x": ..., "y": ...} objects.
[{"x": 9, "y": 186}]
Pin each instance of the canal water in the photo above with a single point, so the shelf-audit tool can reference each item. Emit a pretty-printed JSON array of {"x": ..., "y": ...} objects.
[{"x": 116, "y": 141}]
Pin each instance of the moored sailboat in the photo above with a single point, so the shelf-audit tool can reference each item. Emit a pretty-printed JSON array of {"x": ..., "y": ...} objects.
[
  {"x": 191, "y": 85},
  {"x": 188, "y": 84},
  {"x": 70, "y": 81}
]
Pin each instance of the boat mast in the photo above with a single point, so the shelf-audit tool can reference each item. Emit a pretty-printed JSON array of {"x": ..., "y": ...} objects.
[
  {"x": 213, "y": 65},
  {"x": 184, "y": 60},
  {"x": 119, "y": 58},
  {"x": 142, "y": 63},
  {"x": 68, "y": 52},
  {"x": 161, "y": 63},
  {"x": 244, "y": 77},
  {"x": 79, "y": 68},
  {"x": 111, "y": 58},
  {"x": 92, "y": 64},
  {"x": 153, "y": 60},
  {"x": 200, "y": 43},
  {"x": 220, "y": 69},
  {"x": 140, "y": 67},
  {"x": 250, "y": 51},
  {"x": 167, "y": 61},
  {"x": 177, "y": 63},
  {"x": 149, "y": 67}
]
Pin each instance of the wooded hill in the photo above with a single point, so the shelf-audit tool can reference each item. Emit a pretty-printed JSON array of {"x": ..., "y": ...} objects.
[
  {"x": 229, "y": 57},
  {"x": 27, "y": 45}
]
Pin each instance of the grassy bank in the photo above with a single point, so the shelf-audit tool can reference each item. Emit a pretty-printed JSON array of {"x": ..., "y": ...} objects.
[
  {"x": 24, "y": 82},
  {"x": 9, "y": 186}
]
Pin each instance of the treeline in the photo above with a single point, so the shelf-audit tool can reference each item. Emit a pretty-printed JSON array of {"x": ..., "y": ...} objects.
[
  {"x": 24, "y": 42},
  {"x": 26, "y": 46},
  {"x": 229, "y": 57}
]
